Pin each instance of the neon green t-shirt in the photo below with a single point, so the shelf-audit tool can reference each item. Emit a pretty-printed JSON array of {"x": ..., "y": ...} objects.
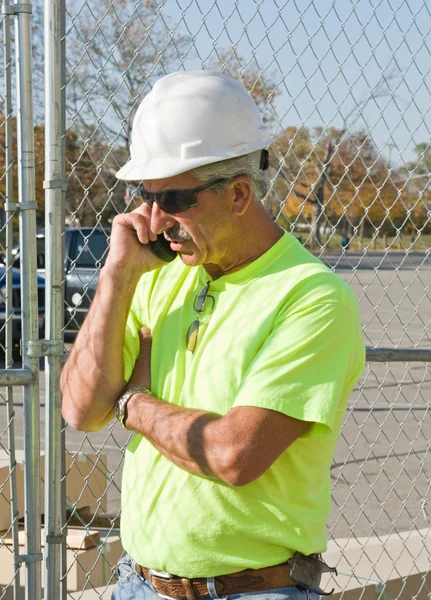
[{"x": 284, "y": 334}]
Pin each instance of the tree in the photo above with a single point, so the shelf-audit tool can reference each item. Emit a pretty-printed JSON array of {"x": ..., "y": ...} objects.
[
  {"x": 114, "y": 52},
  {"x": 93, "y": 195},
  {"x": 359, "y": 188},
  {"x": 260, "y": 84},
  {"x": 39, "y": 159},
  {"x": 327, "y": 148},
  {"x": 416, "y": 177}
]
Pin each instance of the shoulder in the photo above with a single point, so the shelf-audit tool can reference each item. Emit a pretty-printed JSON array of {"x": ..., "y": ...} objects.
[{"x": 308, "y": 282}]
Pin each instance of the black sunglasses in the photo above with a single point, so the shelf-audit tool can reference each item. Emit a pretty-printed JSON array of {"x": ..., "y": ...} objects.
[{"x": 175, "y": 201}]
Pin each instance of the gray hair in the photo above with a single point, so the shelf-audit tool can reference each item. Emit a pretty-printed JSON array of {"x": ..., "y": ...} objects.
[{"x": 247, "y": 165}]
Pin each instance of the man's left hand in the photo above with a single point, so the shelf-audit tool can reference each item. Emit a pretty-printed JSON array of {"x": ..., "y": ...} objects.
[{"x": 142, "y": 370}]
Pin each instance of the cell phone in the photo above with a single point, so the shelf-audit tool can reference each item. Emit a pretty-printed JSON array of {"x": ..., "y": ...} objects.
[{"x": 162, "y": 249}]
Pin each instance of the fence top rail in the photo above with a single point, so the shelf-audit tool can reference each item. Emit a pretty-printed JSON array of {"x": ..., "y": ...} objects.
[
  {"x": 16, "y": 377},
  {"x": 398, "y": 354}
]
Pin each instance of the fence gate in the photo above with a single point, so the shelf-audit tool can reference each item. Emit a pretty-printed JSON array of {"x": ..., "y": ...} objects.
[{"x": 344, "y": 86}]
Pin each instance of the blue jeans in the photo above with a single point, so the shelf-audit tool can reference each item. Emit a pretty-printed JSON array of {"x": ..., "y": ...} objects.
[{"x": 131, "y": 586}]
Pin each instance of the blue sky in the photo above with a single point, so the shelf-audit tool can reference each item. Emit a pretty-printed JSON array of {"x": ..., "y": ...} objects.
[{"x": 327, "y": 58}]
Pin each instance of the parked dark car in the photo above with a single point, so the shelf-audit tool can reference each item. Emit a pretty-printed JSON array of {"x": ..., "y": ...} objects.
[
  {"x": 85, "y": 253},
  {"x": 16, "y": 304}
]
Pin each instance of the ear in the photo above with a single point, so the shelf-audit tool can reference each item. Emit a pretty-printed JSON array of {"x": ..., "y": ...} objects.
[{"x": 242, "y": 195}]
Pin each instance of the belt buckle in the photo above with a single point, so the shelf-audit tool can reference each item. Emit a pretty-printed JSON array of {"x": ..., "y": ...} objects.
[{"x": 162, "y": 575}]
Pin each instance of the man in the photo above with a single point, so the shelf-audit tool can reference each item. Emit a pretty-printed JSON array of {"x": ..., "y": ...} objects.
[{"x": 239, "y": 355}]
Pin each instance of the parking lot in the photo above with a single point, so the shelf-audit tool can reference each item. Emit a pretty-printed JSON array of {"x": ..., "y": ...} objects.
[{"x": 382, "y": 466}]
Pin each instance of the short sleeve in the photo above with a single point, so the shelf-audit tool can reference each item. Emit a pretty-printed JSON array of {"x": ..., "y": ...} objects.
[{"x": 307, "y": 365}]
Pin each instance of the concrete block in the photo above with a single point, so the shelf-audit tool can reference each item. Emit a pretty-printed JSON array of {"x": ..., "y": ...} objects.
[
  {"x": 86, "y": 483},
  {"x": 388, "y": 567},
  {"x": 78, "y": 538},
  {"x": 5, "y": 495},
  {"x": 86, "y": 567},
  {"x": 93, "y": 567}
]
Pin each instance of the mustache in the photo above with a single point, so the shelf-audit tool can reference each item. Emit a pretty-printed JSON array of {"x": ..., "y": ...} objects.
[{"x": 177, "y": 234}]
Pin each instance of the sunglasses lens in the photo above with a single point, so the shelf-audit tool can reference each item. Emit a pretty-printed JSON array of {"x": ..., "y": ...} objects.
[
  {"x": 192, "y": 336},
  {"x": 201, "y": 297},
  {"x": 171, "y": 201},
  {"x": 146, "y": 196},
  {"x": 175, "y": 201}
]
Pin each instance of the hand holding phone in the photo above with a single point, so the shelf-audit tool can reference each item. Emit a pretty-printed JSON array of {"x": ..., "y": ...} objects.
[{"x": 162, "y": 249}]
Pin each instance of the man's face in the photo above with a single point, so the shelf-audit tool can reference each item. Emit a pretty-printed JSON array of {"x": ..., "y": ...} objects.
[{"x": 202, "y": 234}]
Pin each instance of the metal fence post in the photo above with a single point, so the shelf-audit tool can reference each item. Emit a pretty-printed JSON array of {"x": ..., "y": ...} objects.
[
  {"x": 62, "y": 51},
  {"x": 10, "y": 210},
  {"x": 54, "y": 272},
  {"x": 27, "y": 212}
]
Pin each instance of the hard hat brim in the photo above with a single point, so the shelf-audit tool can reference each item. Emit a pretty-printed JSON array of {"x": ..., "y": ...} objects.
[{"x": 162, "y": 168}]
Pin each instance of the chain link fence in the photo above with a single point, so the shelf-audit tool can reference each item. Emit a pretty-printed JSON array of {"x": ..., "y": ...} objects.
[{"x": 345, "y": 87}]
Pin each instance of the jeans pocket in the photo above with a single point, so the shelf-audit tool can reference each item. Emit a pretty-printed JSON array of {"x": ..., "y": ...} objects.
[
  {"x": 283, "y": 593},
  {"x": 125, "y": 568}
]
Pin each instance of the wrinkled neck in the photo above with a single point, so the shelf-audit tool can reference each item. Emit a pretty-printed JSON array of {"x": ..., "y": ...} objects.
[{"x": 251, "y": 242}]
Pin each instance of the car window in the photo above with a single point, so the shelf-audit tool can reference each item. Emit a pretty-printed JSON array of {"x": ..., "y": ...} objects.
[
  {"x": 90, "y": 252},
  {"x": 40, "y": 253}
]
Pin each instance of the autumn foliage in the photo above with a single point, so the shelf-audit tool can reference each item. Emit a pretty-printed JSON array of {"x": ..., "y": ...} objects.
[{"x": 331, "y": 178}]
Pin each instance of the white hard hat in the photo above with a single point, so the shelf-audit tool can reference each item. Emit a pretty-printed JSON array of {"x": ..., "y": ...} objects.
[{"x": 190, "y": 119}]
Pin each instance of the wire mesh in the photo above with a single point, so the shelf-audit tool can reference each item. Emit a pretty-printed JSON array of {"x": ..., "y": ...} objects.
[{"x": 345, "y": 89}]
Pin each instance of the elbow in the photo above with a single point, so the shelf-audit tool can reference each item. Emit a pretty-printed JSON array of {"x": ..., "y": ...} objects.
[
  {"x": 237, "y": 471},
  {"x": 239, "y": 478},
  {"x": 78, "y": 420},
  {"x": 73, "y": 419}
]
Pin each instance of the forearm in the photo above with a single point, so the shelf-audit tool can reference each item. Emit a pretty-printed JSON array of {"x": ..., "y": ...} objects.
[
  {"x": 235, "y": 448},
  {"x": 92, "y": 378},
  {"x": 189, "y": 438}
]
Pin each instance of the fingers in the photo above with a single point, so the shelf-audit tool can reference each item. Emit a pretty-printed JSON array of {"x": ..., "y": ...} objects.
[
  {"x": 130, "y": 242},
  {"x": 138, "y": 223},
  {"x": 142, "y": 370},
  {"x": 145, "y": 356},
  {"x": 145, "y": 339},
  {"x": 145, "y": 211}
]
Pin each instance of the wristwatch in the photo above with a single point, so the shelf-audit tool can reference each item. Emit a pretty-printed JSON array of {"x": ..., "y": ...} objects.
[{"x": 121, "y": 404}]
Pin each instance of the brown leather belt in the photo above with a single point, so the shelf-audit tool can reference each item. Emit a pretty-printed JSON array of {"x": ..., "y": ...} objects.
[{"x": 250, "y": 580}]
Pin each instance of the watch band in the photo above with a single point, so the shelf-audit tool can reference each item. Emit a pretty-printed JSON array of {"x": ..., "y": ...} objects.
[{"x": 121, "y": 404}]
